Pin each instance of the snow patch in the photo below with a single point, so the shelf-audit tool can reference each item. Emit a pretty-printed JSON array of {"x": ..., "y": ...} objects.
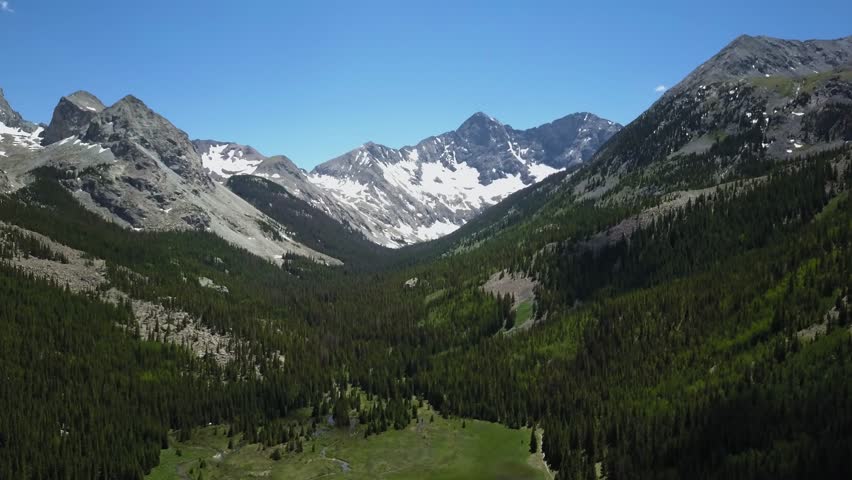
[
  {"x": 436, "y": 230},
  {"x": 540, "y": 171},
  {"x": 226, "y": 161},
  {"x": 22, "y": 138}
]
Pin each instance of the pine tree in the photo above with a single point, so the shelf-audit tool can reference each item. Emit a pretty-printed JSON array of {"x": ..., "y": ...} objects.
[{"x": 533, "y": 441}]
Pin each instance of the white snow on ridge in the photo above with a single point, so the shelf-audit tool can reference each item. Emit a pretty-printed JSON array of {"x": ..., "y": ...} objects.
[
  {"x": 22, "y": 138},
  {"x": 514, "y": 153},
  {"x": 344, "y": 190},
  {"x": 415, "y": 186},
  {"x": 456, "y": 185},
  {"x": 541, "y": 171},
  {"x": 436, "y": 230},
  {"x": 233, "y": 163}
]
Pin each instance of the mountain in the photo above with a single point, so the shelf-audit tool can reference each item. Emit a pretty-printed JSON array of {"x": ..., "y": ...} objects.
[
  {"x": 759, "y": 98},
  {"x": 132, "y": 166},
  {"x": 680, "y": 285},
  {"x": 428, "y": 190},
  {"x": 722, "y": 124},
  {"x": 396, "y": 197}
]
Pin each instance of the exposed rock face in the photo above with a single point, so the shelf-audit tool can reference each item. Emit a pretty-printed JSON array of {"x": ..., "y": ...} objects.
[
  {"x": 137, "y": 134},
  {"x": 134, "y": 167},
  {"x": 396, "y": 197},
  {"x": 72, "y": 116}
]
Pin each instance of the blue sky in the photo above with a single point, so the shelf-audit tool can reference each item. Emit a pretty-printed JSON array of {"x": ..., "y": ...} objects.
[{"x": 313, "y": 80}]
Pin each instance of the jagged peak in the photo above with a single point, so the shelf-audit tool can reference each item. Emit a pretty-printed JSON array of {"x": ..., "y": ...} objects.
[
  {"x": 580, "y": 118},
  {"x": 373, "y": 149},
  {"x": 129, "y": 101},
  {"x": 480, "y": 119}
]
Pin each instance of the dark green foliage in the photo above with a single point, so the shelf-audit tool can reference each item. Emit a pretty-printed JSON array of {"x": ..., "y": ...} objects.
[
  {"x": 533, "y": 442},
  {"x": 673, "y": 353},
  {"x": 341, "y": 412},
  {"x": 97, "y": 400},
  {"x": 700, "y": 376}
]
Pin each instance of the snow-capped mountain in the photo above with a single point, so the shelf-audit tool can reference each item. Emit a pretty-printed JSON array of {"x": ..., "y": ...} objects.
[{"x": 396, "y": 197}]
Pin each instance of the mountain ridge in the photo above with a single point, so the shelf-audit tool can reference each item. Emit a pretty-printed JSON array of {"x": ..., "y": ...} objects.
[
  {"x": 396, "y": 197},
  {"x": 762, "y": 56},
  {"x": 133, "y": 167}
]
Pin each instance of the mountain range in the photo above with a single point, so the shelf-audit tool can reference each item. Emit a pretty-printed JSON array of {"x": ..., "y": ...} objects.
[
  {"x": 675, "y": 304},
  {"x": 396, "y": 197},
  {"x": 392, "y": 197},
  {"x": 133, "y": 166}
]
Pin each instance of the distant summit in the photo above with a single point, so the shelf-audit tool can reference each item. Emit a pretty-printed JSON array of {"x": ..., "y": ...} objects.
[
  {"x": 760, "y": 56},
  {"x": 396, "y": 197}
]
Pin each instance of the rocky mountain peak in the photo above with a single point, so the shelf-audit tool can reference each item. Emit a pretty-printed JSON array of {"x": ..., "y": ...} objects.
[
  {"x": 136, "y": 133},
  {"x": 360, "y": 163},
  {"x": 482, "y": 130},
  {"x": 480, "y": 118},
  {"x": 86, "y": 100},
  {"x": 278, "y": 164},
  {"x": 377, "y": 151},
  {"x": 760, "y": 56},
  {"x": 72, "y": 116}
]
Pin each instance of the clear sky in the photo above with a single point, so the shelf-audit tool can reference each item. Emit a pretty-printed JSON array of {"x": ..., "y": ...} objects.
[{"x": 315, "y": 79}]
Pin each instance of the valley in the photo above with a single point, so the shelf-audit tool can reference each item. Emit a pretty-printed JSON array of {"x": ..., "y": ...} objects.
[
  {"x": 667, "y": 299},
  {"x": 431, "y": 447}
]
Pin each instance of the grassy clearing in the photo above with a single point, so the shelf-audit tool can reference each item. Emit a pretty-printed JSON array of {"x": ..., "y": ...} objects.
[
  {"x": 523, "y": 312},
  {"x": 182, "y": 460},
  {"x": 782, "y": 85},
  {"x": 789, "y": 86},
  {"x": 439, "y": 449},
  {"x": 436, "y": 295},
  {"x": 832, "y": 206}
]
